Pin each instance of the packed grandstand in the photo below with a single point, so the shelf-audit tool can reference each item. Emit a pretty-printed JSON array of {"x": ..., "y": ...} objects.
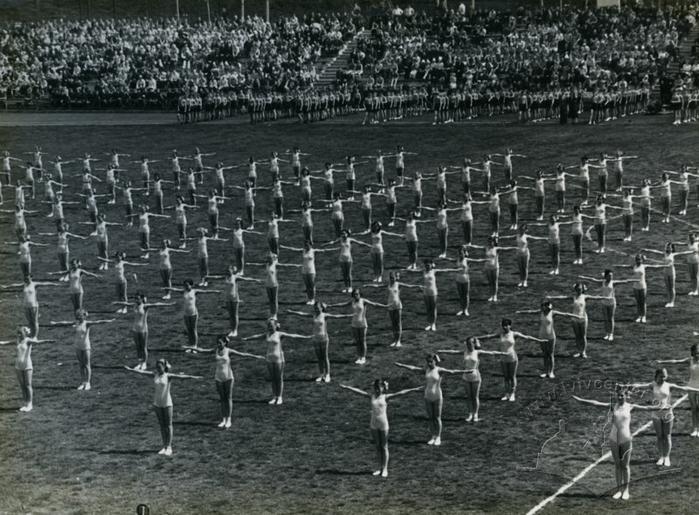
[{"x": 390, "y": 62}]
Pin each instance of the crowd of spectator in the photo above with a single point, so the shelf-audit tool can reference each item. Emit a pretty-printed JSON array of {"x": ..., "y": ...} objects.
[
  {"x": 689, "y": 66},
  {"x": 532, "y": 51},
  {"x": 138, "y": 62},
  {"x": 237, "y": 66}
]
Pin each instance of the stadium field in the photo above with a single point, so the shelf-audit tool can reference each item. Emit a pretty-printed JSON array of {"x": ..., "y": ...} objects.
[{"x": 92, "y": 452}]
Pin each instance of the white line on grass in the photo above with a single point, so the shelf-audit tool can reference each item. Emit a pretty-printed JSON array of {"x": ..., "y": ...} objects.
[{"x": 587, "y": 469}]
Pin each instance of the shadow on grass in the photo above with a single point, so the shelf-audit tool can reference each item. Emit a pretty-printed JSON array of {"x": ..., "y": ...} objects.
[
  {"x": 300, "y": 379},
  {"x": 582, "y": 495},
  {"x": 456, "y": 420},
  {"x": 9, "y": 410},
  {"x": 341, "y": 362},
  {"x": 60, "y": 388},
  {"x": 338, "y": 472},
  {"x": 413, "y": 328},
  {"x": 413, "y": 443},
  {"x": 194, "y": 423},
  {"x": 251, "y": 401},
  {"x": 491, "y": 398},
  {"x": 127, "y": 452}
]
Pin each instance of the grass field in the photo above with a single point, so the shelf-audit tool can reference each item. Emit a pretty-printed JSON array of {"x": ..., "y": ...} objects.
[{"x": 89, "y": 452}]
